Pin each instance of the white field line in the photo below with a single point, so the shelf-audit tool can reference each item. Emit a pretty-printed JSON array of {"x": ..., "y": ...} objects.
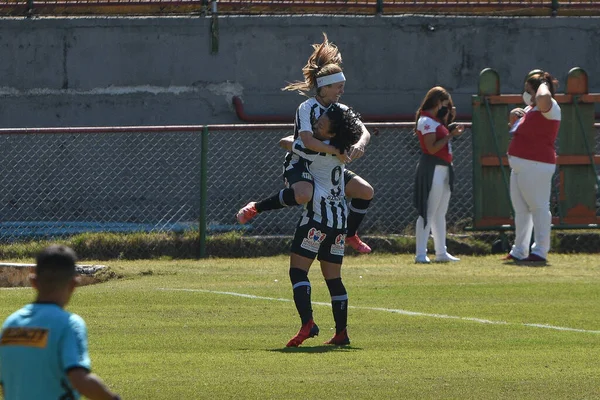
[{"x": 391, "y": 310}]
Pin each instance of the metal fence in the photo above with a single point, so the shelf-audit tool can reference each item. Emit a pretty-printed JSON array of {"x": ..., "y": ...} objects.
[
  {"x": 388, "y": 166},
  {"x": 270, "y": 7},
  {"x": 58, "y": 182}
]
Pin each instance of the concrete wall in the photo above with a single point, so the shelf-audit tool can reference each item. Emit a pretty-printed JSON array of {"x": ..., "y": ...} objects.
[{"x": 137, "y": 71}]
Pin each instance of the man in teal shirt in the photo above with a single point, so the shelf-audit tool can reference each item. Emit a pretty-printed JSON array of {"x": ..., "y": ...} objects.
[{"x": 43, "y": 348}]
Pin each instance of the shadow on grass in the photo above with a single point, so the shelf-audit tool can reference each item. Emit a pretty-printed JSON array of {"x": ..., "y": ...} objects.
[
  {"x": 530, "y": 264},
  {"x": 315, "y": 349}
]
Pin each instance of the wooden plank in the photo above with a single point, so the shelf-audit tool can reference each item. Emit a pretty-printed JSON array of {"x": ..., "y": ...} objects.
[
  {"x": 516, "y": 99},
  {"x": 492, "y": 161}
]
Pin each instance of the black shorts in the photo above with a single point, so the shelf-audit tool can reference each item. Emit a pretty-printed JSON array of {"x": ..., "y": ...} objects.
[
  {"x": 348, "y": 176},
  {"x": 314, "y": 239},
  {"x": 297, "y": 172}
]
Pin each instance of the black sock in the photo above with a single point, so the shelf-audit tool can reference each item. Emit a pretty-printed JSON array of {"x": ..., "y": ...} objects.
[
  {"x": 301, "y": 287},
  {"x": 358, "y": 209},
  {"x": 284, "y": 198},
  {"x": 339, "y": 303}
]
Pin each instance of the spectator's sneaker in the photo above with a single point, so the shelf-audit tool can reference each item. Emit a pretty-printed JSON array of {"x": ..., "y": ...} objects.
[
  {"x": 446, "y": 258},
  {"x": 422, "y": 259},
  {"x": 247, "y": 213},
  {"x": 510, "y": 257},
  {"x": 308, "y": 330},
  {"x": 340, "y": 339},
  {"x": 534, "y": 258},
  {"x": 358, "y": 245}
]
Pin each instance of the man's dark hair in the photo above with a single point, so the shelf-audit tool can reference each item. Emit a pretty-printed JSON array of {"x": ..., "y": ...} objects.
[
  {"x": 346, "y": 125},
  {"x": 55, "y": 266}
]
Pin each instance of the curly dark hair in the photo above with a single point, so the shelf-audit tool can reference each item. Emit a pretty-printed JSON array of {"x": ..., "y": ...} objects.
[{"x": 347, "y": 126}]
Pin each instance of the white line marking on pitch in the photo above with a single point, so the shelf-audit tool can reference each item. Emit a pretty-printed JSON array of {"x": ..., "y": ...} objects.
[{"x": 391, "y": 310}]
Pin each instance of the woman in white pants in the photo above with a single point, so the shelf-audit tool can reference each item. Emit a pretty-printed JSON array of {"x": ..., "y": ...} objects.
[
  {"x": 532, "y": 159},
  {"x": 434, "y": 175}
]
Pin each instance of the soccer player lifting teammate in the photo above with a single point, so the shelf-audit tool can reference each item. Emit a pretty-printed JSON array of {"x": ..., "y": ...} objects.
[
  {"x": 321, "y": 231},
  {"x": 322, "y": 72}
]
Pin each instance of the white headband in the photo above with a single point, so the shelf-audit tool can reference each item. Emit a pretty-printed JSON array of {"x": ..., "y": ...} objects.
[{"x": 330, "y": 79}]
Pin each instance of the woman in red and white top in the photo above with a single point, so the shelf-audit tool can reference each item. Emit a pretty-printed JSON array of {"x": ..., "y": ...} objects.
[
  {"x": 532, "y": 159},
  {"x": 434, "y": 176}
]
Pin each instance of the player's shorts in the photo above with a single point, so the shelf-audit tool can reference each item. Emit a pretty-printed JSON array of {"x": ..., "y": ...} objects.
[
  {"x": 314, "y": 239},
  {"x": 296, "y": 172},
  {"x": 348, "y": 176}
]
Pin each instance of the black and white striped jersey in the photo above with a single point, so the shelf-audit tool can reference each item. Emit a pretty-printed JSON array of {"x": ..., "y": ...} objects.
[
  {"x": 307, "y": 115},
  {"x": 328, "y": 204}
]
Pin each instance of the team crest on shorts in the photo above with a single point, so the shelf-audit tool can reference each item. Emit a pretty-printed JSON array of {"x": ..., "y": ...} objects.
[
  {"x": 313, "y": 240},
  {"x": 337, "y": 248}
]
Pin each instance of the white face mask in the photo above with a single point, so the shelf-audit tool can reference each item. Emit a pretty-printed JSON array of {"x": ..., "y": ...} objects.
[{"x": 527, "y": 98}]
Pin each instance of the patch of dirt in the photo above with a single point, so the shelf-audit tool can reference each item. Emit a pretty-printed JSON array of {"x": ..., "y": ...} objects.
[
  {"x": 19, "y": 277},
  {"x": 14, "y": 277}
]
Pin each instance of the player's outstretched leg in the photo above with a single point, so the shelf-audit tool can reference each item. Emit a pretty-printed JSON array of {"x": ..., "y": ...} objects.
[
  {"x": 283, "y": 198},
  {"x": 247, "y": 212}
]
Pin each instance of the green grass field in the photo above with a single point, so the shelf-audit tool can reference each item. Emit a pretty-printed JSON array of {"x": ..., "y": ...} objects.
[{"x": 216, "y": 329}]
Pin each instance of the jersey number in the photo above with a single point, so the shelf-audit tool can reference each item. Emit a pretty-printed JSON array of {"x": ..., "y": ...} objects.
[{"x": 336, "y": 176}]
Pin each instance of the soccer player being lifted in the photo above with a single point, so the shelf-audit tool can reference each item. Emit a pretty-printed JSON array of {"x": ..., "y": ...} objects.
[{"x": 323, "y": 72}]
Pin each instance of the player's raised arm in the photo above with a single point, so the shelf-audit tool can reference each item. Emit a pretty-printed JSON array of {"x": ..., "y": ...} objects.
[{"x": 316, "y": 145}]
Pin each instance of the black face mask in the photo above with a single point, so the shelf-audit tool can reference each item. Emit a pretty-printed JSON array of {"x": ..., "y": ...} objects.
[{"x": 442, "y": 112}]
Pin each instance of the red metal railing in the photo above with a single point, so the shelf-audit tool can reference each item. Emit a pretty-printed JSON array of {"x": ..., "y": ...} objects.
[
  {"x": 238, "y": 105},
  {"x": 245, "y": 7}
]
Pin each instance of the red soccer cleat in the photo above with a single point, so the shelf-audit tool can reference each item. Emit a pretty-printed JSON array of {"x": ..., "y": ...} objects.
[
  {"x": 510, "y": 257},
  {"x": 340, "y": 339},
  {"x": 247, "y": 213},
  {"x": 308, "y": 330},
  {"x": 358, "y": 245}
]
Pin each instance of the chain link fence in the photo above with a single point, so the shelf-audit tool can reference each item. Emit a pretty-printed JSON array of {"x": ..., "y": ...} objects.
[
  {"x": 142, "y": 187},
  {"x": 57, "y": 185},
  {"x": 388, "y": 165}
]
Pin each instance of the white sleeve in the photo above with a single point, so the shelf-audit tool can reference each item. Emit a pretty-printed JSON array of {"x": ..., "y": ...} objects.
[
  {"x": 427, "y": 125},
  {"x": 303, "y": 118},
  {"x": 554, "y": 112}
]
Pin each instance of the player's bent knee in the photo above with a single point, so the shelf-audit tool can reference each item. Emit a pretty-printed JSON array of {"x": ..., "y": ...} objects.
[
  {"x": 365, "y": 191},
  {"x": 303, "y": 192},
  {"x": 369, "y": 192},
  {"x": 303, "y": 196}
]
